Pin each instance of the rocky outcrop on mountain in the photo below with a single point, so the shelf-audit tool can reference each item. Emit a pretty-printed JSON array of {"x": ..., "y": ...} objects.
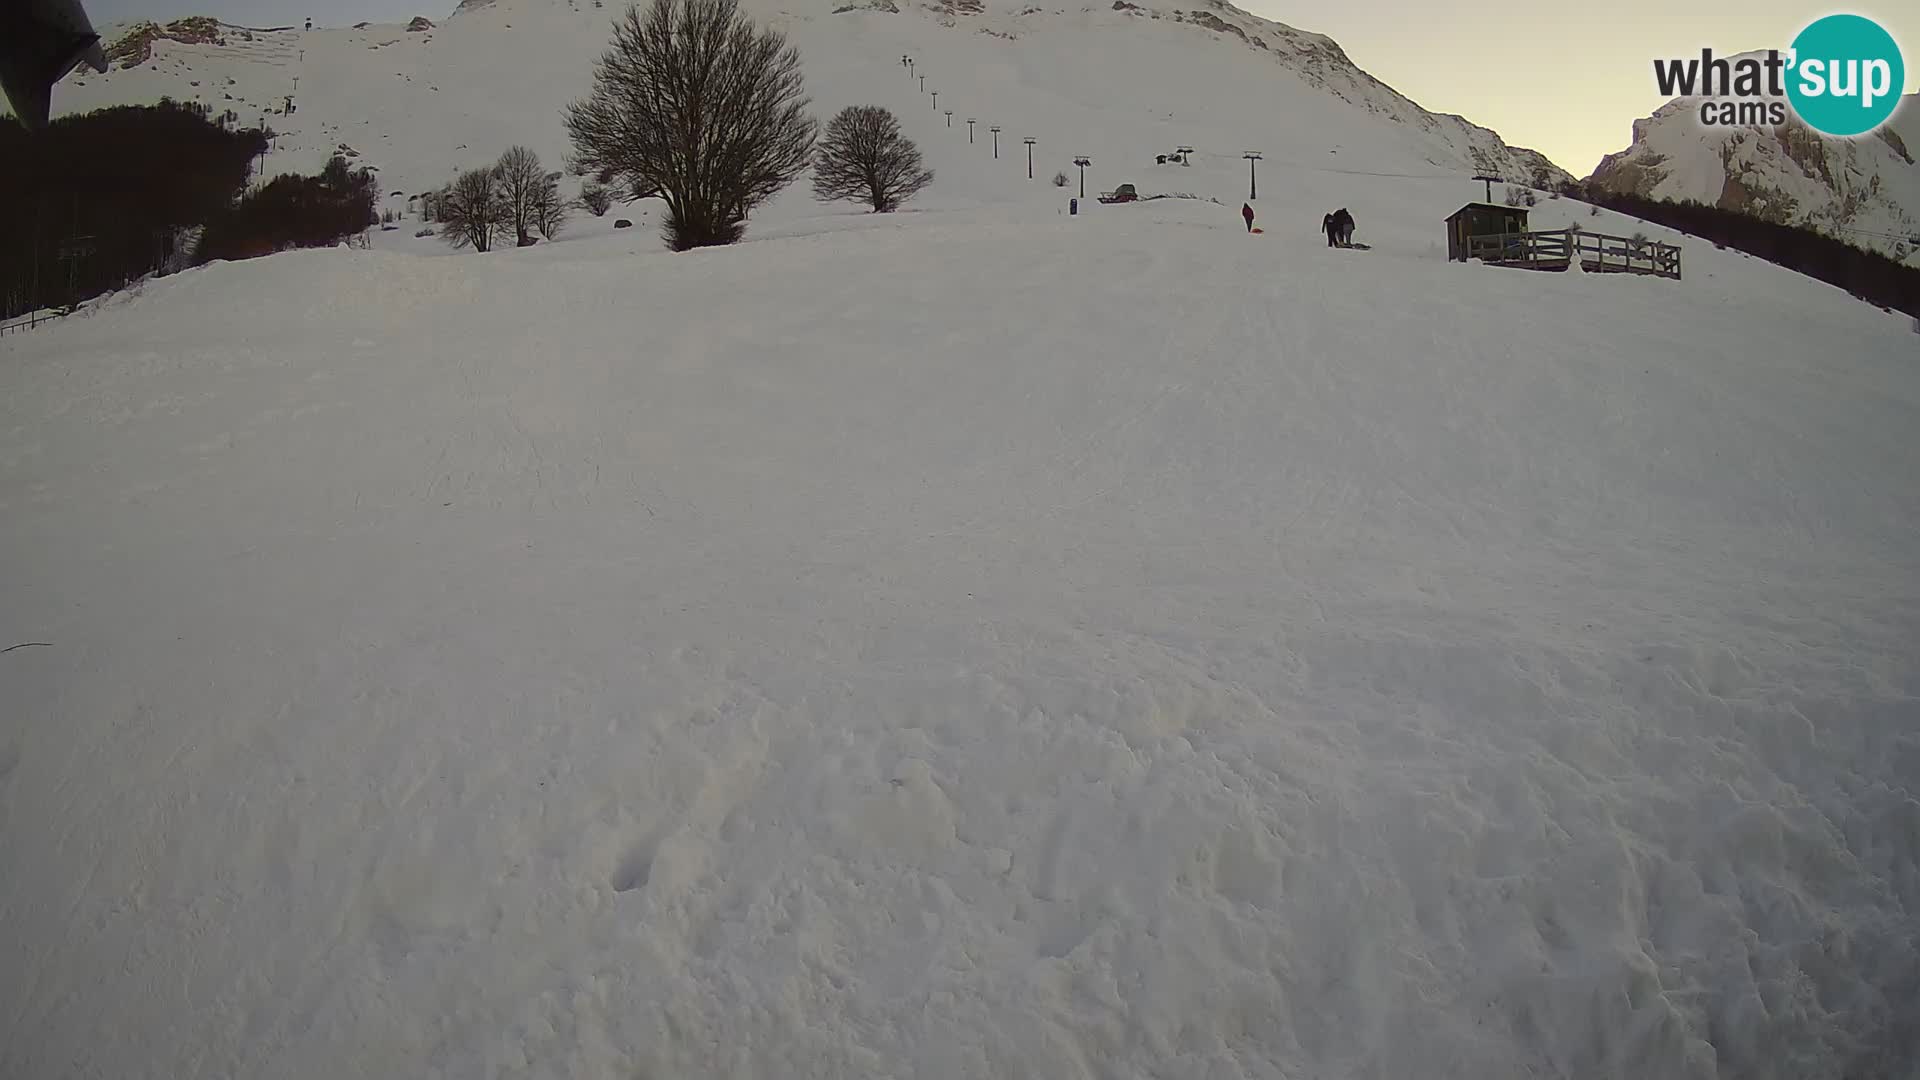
[
  {"x": 1863, "y": 190},
  {"x": 135, "y": 47}
]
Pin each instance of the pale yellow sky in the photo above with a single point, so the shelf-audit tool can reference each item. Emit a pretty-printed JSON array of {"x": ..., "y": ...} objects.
[{"x": 1566, "y": 80}]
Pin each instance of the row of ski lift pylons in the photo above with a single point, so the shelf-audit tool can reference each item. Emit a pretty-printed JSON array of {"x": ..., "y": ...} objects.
[
  {"x": 1182, "y": 154},
  {"x": 907, "y": 62}
]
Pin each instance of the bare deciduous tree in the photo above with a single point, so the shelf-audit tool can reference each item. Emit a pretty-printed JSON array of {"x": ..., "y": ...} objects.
[
  {"x": 598, "y": 200},
  {"x": 549, "y": 209},
  {"x": 696, "y": 103},
  {"x": 523, "y": 184},
  {"x": 864, "y": 156},
  {"x": 472, "y": 211}
]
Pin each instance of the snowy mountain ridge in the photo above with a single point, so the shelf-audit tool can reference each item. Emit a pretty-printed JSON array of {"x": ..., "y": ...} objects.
[
  {"x": 400, "y": 93},
  {"x": 1864, "y": 190}
]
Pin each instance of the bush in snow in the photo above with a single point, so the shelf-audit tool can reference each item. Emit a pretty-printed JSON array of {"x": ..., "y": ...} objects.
[
  {"x": 295, "y": 212},
  {"x": 550, "y": 214},
  {"x": 695, "y": 102},
  {"x": 549, "y": 210},
  {"x": 1060, "y": 179},
  {"x": 428, "y": 231},
  {"x": 596, "y": 199},
  {"x": 864, "y": 157},
  {"x": 472, "y": 210}
]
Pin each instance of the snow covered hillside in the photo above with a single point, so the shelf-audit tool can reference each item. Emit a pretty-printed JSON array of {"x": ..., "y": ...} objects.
[
  {"x": 976, "y": 641},
  {"x": 1865, "y": 191},
  {"x": 1117, "y": 81}
]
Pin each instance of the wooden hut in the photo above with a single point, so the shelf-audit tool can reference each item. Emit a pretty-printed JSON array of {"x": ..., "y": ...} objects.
[
  {"x": 1481, "y": 219},
  {"x": 1498, "y": 236}
]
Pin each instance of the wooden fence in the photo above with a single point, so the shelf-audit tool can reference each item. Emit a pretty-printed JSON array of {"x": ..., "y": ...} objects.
[{"x": 1598, "y": 253}]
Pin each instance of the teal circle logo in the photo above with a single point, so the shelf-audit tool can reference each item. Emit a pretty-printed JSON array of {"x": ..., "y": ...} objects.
[{"x": 1846, "y": 75}]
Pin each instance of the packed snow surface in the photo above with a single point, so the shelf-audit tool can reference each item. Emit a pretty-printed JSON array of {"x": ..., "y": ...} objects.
[{"x": 958, "y": 644}]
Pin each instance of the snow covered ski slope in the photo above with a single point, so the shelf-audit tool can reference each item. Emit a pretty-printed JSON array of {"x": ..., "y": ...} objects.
[
  {"x": 963, "y": 643},
  {"x": 976, "y": 641}
]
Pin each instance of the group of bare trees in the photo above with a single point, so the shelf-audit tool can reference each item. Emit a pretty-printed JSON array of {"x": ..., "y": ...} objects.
[
  {"x": 514, "y": 196},
  {"x": 696, "y": 104}
]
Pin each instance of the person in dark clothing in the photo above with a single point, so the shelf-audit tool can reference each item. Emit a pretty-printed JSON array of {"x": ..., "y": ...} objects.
[
  {"x": 1327, "y": 226},
  {"x": 1247, "y": 213},
  {"x": 1343, "y": 224}
]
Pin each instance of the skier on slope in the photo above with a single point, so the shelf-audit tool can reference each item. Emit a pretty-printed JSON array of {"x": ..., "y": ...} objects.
[
  {"x": 1246, "y": 212},
  {"x": 1343, "y": 222},
  {"x": 1327, "y": 226}
]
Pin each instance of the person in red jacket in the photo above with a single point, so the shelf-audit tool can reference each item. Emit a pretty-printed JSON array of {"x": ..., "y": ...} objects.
[{"x": 1247, "y": 212}]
